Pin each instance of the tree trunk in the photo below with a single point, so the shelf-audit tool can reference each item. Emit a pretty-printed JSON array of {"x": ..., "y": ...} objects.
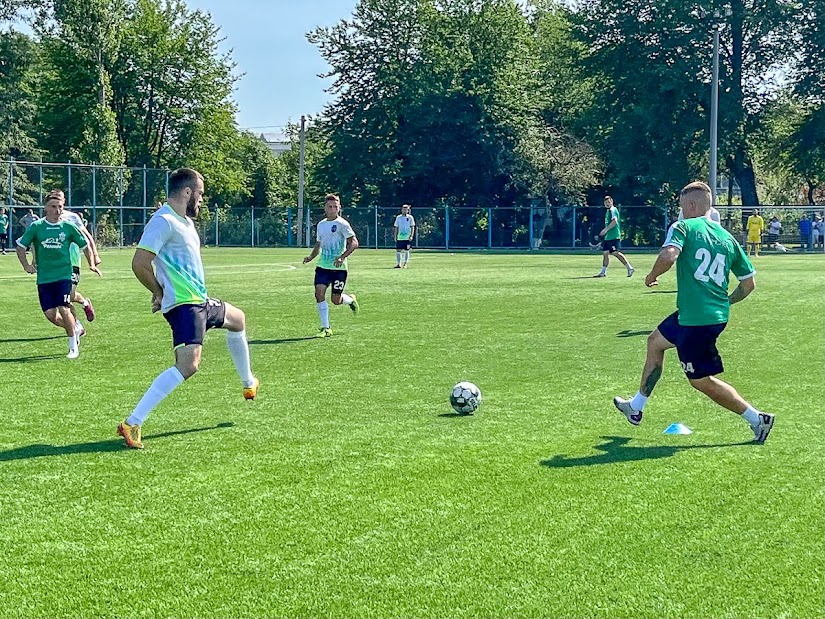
[
  {"x": 811, "y": 189},
  {"x": 740, "y": 167}
]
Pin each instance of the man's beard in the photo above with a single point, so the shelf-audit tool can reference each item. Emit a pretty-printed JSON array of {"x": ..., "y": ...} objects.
[{"x": 191, "y": 206}]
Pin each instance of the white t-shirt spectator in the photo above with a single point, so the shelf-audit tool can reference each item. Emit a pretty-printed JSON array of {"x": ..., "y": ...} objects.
[{"x": 775, "y": 227}]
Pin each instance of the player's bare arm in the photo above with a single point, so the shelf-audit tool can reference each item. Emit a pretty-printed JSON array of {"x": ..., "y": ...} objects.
[
  {"x": 91, "y": 241},
  {"x": 395, "y": 233},
  {"x": 664, "y": 261},
  {"x": 142, "y": 268},
  {"x": 315, "y": 251},
  {"x": 90, "y": 258},
  {"x": 744, "y": 288},
  {"x": 613, "y": 223},
  {"x": 352, "y": 245},
  {"x": 23, "y": 257}
]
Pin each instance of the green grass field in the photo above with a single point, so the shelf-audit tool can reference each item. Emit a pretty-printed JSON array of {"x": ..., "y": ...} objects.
[{"x": 349, "y": 489}]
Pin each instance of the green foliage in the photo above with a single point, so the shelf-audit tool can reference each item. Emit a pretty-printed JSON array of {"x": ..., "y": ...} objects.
[{"x": 18, "y": 60}]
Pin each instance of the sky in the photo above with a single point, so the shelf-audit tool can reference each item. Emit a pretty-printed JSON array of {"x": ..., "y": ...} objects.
[{"x": 280, "y": 67}]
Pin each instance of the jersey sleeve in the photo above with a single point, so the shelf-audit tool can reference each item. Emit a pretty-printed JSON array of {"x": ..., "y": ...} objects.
[
  {"x": 346, "y": 230},
  {"x": 155, "y": 235},
  {"x": 412, "y": 221},
  {"x": 77, "y": 237},
  {"x": 395, "y": 224},
  {"x": 27, "y": 238},
  {"x": 740, "y": 266},
  {"x": 676, "y": 235}
]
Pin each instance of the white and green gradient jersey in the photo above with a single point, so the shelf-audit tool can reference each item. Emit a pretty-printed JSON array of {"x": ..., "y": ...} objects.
[
  {"x": 333, "y": 237},
  {"x": 77, "y": 222},
  {"x": 708, "y": 255},
  {"x": 178, "y": 266},
  {"x": 614, "y": 233},
  {"x": 405, "y": 224}
]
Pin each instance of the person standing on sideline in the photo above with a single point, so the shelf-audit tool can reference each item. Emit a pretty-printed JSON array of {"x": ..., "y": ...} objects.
[
  {"x": 50, "y": 238},
  {"x": 756, "y": 225},
  {"x": 4, "y": 230},
  {"x": 404, "y": 233},
  {"x": 171, "y": 244},
  {"x": 774, "y": 230},
  {"x": 705, "y": 254},
  {"x": 805, "y": 232},
  {"x": 335, "y": 241},
  {"x": 28, "y": 219},
  {"x": 612, "y": 239}
]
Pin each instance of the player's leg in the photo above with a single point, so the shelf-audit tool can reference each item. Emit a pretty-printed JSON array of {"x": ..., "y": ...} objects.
[
  {"x": 79, "y": 299},
  {"x": 605, "y": 262},
  {"x": 623, "y": 259},
  {"x": 3, "y": 239},
  {"x": 398, "y": 249},
  {"x": 321, "y": 304},
  {"x": 664, "y": 337},
  {"x": 338, "y": 296},
  {"x": 234, "y": 321},
  {"x": 407, "y": 245}
]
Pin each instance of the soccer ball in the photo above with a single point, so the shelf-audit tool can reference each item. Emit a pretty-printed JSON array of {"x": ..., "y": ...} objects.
[{"x": 465, "y": 398}]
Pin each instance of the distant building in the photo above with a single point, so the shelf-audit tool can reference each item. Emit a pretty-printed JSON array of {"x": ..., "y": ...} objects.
[{"x": 276, "y": 142}]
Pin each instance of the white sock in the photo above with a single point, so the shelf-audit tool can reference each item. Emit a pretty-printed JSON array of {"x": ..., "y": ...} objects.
[
  {"x": 346, "y": 299},
  {"x": 85, "y": 302},
  {"x": 638, "y": 402},
  {"x": 239, "y": 351},
  {"x": 604, "y": 270},
  {"x": 323, "y": 312},
  {"x": 629, "y": 266},
  {"x": 73, "y": 343},
  {"x": 398, "y": 258},
  {"x": 164, "y": 384},
  {"x": 751, "y": 415},
  {"x": 406, "y": 257}
]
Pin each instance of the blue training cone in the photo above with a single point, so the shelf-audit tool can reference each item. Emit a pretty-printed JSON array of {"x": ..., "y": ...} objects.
[{"x": 677, "y": 428}]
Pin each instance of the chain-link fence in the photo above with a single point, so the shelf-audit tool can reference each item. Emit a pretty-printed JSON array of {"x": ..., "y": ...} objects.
[{"x": 117, "y": 201}]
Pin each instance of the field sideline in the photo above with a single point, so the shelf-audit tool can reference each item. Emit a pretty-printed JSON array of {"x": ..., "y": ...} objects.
[{"x": 350, "y": 489}]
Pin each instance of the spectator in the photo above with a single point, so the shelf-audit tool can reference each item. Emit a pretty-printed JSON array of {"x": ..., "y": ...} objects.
[
  {"x": 774, "y": 230},
  {"x": 818, "y": 231},
  {"x": 805, "y": 232},
  {"x": 28, "y": 219}
]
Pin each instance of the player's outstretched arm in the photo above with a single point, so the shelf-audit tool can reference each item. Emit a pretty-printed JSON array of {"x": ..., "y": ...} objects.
[
  {"x": 90, "y": 258},
  {"x": 666, "y": 259},
  {"x": 744, "y": 288},
  {"x": 91, "y": 241}
]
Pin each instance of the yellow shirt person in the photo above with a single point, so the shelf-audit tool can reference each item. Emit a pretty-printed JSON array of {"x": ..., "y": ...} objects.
[{"x": 756, "y": 225}]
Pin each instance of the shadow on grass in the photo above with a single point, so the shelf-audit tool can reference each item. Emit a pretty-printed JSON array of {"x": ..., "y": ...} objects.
[
  {"x": 31, "y": 339},
  {"x": 455, "y": 416},
  {"x": 31, "y": 359},
  {"x": 583, "y": 277},
  {"x": 40, "y": 451},
  {"x": 661, "y": 292},
  {"x": 627, "y": 333},
  {"x": 616, "y": 450},
  {"x": 283, "y": 341}
]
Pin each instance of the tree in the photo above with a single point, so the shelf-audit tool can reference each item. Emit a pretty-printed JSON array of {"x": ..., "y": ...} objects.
[{"x": 18, "y": 58}]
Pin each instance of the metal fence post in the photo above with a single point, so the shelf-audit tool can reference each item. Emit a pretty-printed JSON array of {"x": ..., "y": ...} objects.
[
  {"x": 216, "y": 226},
  {"x": 447, "y": 226},
  {"x": 11, "y": 181},
  {"x": 289, "y": 226},
  {"x": 40, "y": 174},
  {"x": 308, "y": 226},
  {"x": 530, "y": 225},
  {"x": 94, "y": 200},
  {"x": 69, "y": 180},
  {"x": 144, "y": 195},
  {"x": 489, "y": 228},
  {"x": 120, "y": 210},
  {"x": 574, "y": 228},
  {"x": 376, "y": 227},
  {"x": 252, "y": 217}
]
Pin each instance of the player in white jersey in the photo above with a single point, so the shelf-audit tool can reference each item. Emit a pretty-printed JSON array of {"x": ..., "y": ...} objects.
[
  {"x": 335, "y": 241},
  {"x": 74, "y": 250},
  {"x": 404, "y": 233},
  {"x": 171, "y": 244}
]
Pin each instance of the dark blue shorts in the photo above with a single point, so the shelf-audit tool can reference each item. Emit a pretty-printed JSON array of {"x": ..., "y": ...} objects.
[
  {"x": 55, "y": 294},
  {"x": 403, "y": 245},
  {"x": 191, "y": 322},
  {"x": 331, "y": 277},
  {"x": 696, "y": 346},
  {"x": 611, "y": 245}
]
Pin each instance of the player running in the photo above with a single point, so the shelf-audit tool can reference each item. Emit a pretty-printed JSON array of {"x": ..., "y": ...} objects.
[
  {"x": 335, "y": 241},
  {"x": 171, "y": 243},
  {"x": 612, "y": 243},
  {"x": 705, "y": 254},
  {"x": 50, "y": 238},
  {"x": 404, "y": 233}
]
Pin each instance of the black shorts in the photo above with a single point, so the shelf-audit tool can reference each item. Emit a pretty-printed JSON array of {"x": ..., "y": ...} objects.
[
  {"x": 331, "y": 277},
  {"x": 403, "y": 245},
  {"x": 4, "y": 238},
  {"x": 191, "y": 322},
  {"x": 55, "y": 294},
  {"x": 75, "y": 276},
  {"x": 696, "y": 346},
  {"x": 611, "y": 245}
]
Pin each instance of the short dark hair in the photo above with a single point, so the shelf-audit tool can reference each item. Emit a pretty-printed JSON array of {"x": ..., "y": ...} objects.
[{"x": 182, "y": 178}]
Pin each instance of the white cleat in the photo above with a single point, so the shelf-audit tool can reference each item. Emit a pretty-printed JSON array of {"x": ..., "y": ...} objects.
[
  {"x": 633, "y": 416},
  {"x": 79, "y": 330},
  {"x": 763, "y": 428},
  {"x": 630, "y": 272},
  {"x": 73, "y": 354}
]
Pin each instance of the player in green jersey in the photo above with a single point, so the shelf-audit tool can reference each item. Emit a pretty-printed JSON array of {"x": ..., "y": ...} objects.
[
  {"x": 612, "y": 239},
  {"x": 705, "y": 254},
  {"x": 4, "y": 230},
  {"x": 51, "y": 239}
]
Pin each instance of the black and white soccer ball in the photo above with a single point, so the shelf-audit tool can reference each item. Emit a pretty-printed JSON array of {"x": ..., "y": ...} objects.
[{"x": 465, "y": 398}]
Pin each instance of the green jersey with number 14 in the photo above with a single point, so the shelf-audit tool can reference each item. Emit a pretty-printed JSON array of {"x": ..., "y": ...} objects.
[{"x": 708, "y": 255}]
